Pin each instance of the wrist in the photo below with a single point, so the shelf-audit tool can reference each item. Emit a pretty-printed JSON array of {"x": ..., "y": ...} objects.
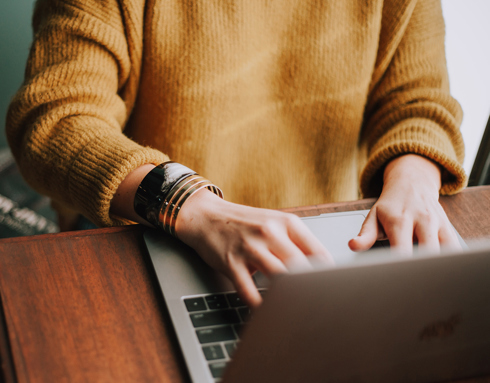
[
  {"x": 163, "y": 192},
  {"x": 122, "y": 202},
  {"x": 411, "y": 168},
  {"x": 196, "y": 214}
]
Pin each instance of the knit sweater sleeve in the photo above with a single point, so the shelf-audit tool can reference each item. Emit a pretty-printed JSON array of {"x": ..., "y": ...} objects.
[
  {"x": 65, "y": 124},
  {"x": 409, "y": 109}
]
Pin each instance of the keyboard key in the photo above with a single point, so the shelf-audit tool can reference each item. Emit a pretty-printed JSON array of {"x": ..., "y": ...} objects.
[
  {"x": 217, "y": 302},
  {"x": 195, "y": 304},
  {"x": 230, "y": 348},
  {"x": 245, "y": 314},
  {"x": 217, "y": 369},
  {"x": 213, "y": 318},
  {"x": 215, "y": 334},
  {"x": 235, "y": 300},
  {"x": 213, "y": 352}
]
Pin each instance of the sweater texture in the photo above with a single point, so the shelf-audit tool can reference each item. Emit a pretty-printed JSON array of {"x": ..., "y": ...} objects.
[{"x": 280, "y": 103}]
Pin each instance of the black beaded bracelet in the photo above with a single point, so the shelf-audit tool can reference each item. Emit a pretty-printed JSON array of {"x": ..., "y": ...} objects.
[{"x": 164, "y": 190}]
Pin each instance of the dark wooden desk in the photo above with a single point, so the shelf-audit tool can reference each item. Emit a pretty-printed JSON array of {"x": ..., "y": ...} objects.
[{"x": 85, "y": 306}]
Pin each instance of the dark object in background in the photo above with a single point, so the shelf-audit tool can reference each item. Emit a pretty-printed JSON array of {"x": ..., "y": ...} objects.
[
  {"x": 22, "y": 210},
  {"x": 480, "y": 173}
]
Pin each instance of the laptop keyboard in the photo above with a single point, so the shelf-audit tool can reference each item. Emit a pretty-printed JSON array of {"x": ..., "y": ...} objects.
[{"x": 218, "y": 320}]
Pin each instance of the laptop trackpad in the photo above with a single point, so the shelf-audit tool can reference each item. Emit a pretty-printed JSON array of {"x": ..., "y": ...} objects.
[{"x": 334, "y": 231}]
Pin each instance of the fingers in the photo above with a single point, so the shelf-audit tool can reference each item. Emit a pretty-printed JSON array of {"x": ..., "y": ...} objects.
[
  {"x": 430, "y": 228},
  {"x": 369, "y": 234},
  {"x": 241, "y": 277},
  {"x": 427, "y": 236},
  {"x": 286, "y": 248},
  {"x": 371, "y": 231},
  {"x": 243, "y": 282},
  {"x": 434, "y": 231},
  {"x": 378, "y": 225},
  {"x": 307, "y": 243},
  {"x": 267, "y": 263},
  {"x": 400, "y": 231},
  {"x": 290, "y": 240},
  {"x": 448, "y": 238},
  {"x": 290, "y": 259},
  {"x": 291, "y": 256}
]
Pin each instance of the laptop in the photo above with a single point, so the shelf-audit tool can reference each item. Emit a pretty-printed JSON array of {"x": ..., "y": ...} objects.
[{"x": 374, "y": 317}]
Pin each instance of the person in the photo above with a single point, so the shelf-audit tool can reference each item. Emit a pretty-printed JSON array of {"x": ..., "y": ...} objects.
[{"x": 281, "y": 104}]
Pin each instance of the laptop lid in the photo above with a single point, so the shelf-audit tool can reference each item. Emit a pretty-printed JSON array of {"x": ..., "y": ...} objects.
[
  {"x": 413, "y": 320},
  {"x": 182, "y": 274}
]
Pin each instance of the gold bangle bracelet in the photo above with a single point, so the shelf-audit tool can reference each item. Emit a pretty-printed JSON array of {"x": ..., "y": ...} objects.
[
  {"x": 176, "y": 197},
  {"x": 181, "y": 190},
  {"x": 170, "y": 198},
  {"x": 180, "y": 203}
]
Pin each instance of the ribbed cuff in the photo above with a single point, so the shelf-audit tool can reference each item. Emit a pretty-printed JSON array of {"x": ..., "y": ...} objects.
[
  {"x": 417, "y": 136},
  {"x": 101, "y": 167}
]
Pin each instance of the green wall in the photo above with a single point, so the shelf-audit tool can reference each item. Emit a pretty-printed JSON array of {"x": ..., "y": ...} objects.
[{"x": 15, "y": 39}]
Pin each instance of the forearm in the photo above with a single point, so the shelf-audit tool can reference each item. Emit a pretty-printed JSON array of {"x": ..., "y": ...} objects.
[
  {"x": 410, "y": 109},
  {"x": 122, "y": 203},
  {"x": 65, "y": 124}
]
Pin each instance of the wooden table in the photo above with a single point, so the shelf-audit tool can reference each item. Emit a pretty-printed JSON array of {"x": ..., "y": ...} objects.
[{"x": 85, "y": 306}]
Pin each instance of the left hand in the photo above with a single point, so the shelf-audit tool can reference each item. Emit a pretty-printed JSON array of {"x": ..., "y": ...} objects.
[{"x": 408, "y": 209}]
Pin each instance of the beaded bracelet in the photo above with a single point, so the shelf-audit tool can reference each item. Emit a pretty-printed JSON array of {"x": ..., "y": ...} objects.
[{"x": 164, "y": 190}]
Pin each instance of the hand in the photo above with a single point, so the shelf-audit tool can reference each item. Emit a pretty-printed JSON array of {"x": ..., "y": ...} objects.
[
  {"x": 234, "y": 239},
  {"x": 408, "y": 209},
  {"x": 238, "y": 240}
]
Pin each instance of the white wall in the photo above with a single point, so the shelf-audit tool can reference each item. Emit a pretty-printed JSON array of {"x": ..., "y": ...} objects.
[{"x": 468, "y": 57}]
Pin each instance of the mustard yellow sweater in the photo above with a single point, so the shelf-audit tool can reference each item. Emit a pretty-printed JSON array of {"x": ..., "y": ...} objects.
[{"x": 280, "y": 103}]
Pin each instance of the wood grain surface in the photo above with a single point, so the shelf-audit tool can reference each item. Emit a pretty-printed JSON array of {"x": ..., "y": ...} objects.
[{"x": 85, "y": 306}]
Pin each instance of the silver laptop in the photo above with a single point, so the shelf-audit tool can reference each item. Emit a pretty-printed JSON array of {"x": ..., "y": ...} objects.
[{"x": 374, "y": 317}]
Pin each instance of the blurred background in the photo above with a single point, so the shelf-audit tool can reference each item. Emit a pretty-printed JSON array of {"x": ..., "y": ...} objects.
[{"x": 24, "y": 212}]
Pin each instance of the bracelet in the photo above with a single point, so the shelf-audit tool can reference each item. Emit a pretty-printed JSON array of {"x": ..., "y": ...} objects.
[
  {"x": 164, "y": 190},
  {"x": 171, "y": 206}
]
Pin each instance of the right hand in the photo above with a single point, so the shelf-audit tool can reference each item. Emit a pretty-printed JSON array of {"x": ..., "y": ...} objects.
[{"x": 237, "y": 240}]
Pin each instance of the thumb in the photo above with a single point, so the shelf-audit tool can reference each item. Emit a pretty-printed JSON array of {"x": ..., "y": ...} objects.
[{"x": 369, "y": 234}]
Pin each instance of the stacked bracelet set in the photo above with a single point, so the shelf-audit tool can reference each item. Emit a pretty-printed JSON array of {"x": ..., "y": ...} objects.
[{"x": 164, "y": 190}]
